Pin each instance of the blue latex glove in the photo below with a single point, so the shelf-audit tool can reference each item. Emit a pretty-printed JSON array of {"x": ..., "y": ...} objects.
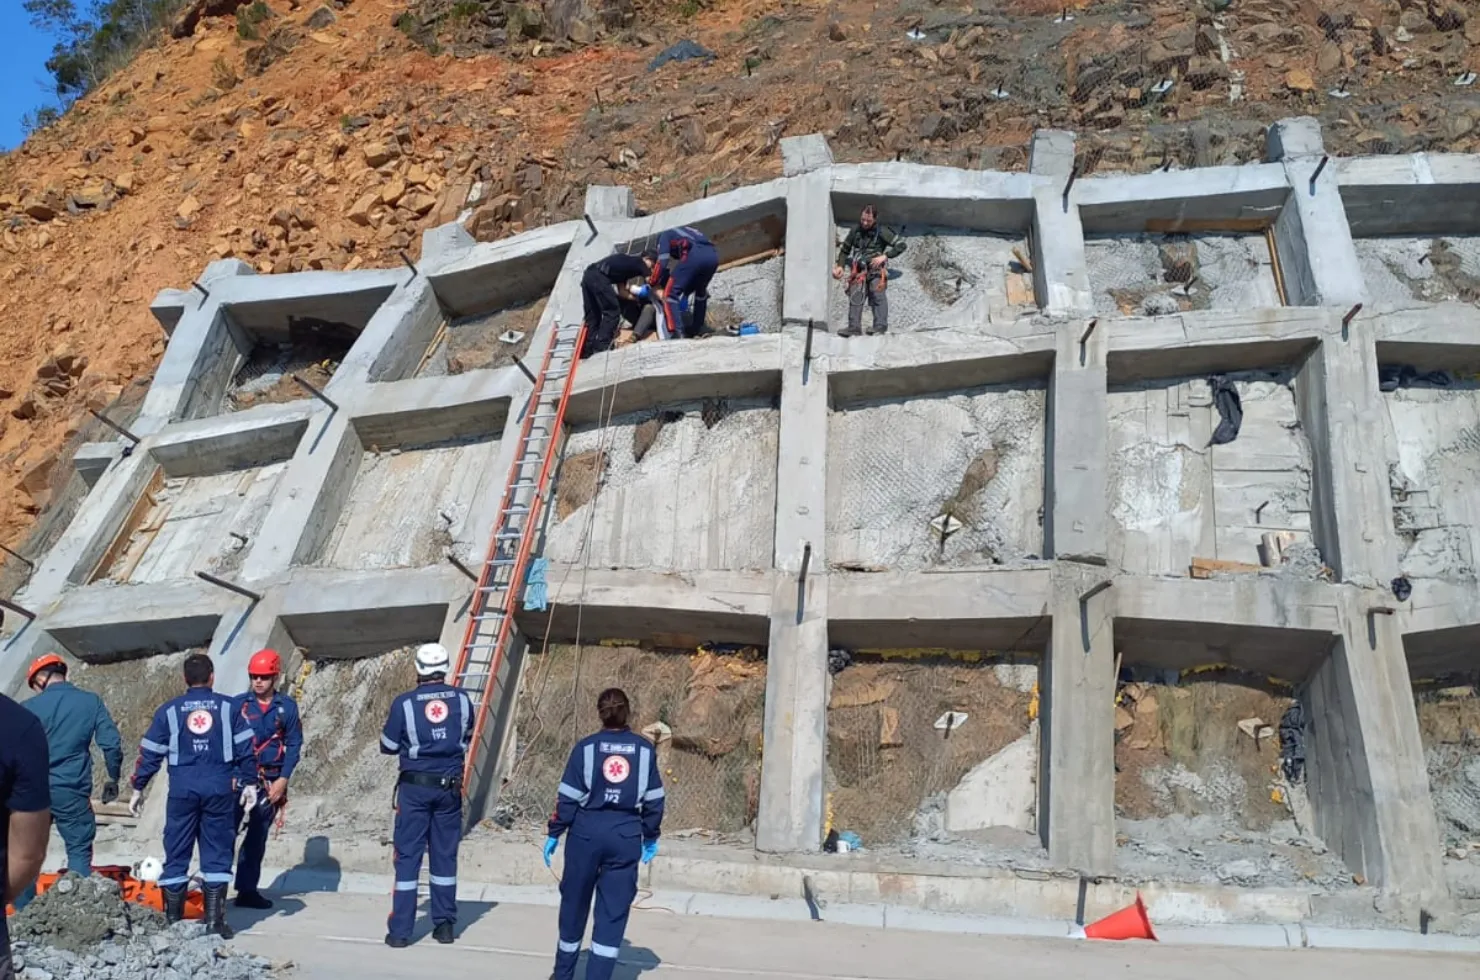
[
  {"x": 649, "y": 850},
  {"x": 550, "y": 844}
]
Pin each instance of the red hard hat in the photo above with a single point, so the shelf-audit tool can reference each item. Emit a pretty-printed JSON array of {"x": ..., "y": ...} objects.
[
  {"x": 41, "y": 663},
  {"x": 265, "y": 663}
]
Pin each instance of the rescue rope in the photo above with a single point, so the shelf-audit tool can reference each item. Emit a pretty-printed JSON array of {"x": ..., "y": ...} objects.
[{"x": 639, "y": 902}]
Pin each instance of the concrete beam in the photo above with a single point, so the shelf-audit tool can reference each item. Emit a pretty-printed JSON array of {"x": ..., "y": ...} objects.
[
  {"x": 105, "y": 623},
  {"x": 668, "y": 608},
  {"x": 1143, "y": 348},
  {"x": 645, "y": 376},
  {"x": 419, "y": 411},
  {"x": 794, "y": 769},
  {"x": 995, "y": 609},
  {"x": 268, "y": 306},
  {"x": 610, "y": 202},
  {"x": 911, "y": 365},
  {"x": 1312, "y": 238},
  {"x": 334, "y": 613},
  {"x": 1060, "y": 271},
  {"x": 309, "y": 497},
  {"x": 804, "y": 154},
  {"x": 258, "y": 436},
  {"x": 811, "y": 244},
  {"x": 92, "y": 460},
  {"x": 1076, "y": 755},
  {"x": 1196, "y": 199},
  {"x": 1076, "y": 511},
  {"x": 1445, "y": 337},
  {"x": 909, "y": 194},
  {"x": 493, "y": 275},
  {"x": 394, "y": 341},
  {"x": 1416, "y": 194},
  {"x": 169, "y": 305},
  {"x": 741, "y": 222}
]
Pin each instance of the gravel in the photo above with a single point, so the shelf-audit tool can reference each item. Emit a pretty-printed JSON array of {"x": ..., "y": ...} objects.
[{"x": 81, "y": 929}]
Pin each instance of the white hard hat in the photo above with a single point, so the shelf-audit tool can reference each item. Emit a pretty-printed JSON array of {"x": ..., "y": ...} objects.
[
  {"x": 150, "y": 869},
  {"x": 431, "y": 658}
]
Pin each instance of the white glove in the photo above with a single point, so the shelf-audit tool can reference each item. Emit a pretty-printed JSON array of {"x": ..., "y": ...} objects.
[
  {"x": 249, "y": 797},
  {"x": 136, "y": 803}
]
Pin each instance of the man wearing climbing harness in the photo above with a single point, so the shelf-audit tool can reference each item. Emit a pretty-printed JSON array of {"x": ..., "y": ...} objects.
[
  {"x": 687, "y": 262},
  {"x": 611, "y": 802},
  {"x": 73, "y": 720},
  {"x": 601, "y": 294},
  {"x": 429, "y": 728},
  {"x": 277, "y": 740},
  {"x": 864, "y": 257},
  {"x": 212, "y": 770}
]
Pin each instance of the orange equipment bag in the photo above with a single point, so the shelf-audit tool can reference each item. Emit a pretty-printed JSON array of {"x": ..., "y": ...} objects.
[{"x": 145, "y": 893}]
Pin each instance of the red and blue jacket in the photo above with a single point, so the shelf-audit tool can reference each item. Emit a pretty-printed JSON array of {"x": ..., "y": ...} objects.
[{"x": 277, "y": 733}]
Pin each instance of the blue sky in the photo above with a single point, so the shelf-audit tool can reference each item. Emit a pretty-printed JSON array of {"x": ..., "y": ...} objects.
[{"x": 22, "y": 67}]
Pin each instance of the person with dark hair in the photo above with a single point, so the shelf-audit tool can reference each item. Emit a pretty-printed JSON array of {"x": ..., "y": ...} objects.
[
  {"x": 73, "y": 719},
  {"x": 430, "y": 728},
  {"x": 600, "y": 288},
  {"x": 864, "y": 256},
  {"x": 25, "y": 810},
  {"x": 208, "y": 746},
  {"x": 611, "y": 802}
]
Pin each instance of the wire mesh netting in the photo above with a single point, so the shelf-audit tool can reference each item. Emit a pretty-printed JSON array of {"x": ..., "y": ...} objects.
[
  {"x": 704, "y": 709},
  {"x": 904, "y": 730}
]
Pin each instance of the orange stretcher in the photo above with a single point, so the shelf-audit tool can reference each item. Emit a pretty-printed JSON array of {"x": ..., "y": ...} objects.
[{"x": 145, "y": 893}]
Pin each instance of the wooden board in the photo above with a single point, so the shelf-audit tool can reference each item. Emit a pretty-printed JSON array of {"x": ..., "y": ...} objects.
[
  {"x": 1232, "y": 226},
  {"x": 1207, "y": 567},
  {"x": 130, "y": 525}
]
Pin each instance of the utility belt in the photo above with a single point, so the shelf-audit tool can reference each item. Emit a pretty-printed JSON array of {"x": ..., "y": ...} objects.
[
  {"x": 862, "y": 271},
  {"x": 431, "y": 780}
]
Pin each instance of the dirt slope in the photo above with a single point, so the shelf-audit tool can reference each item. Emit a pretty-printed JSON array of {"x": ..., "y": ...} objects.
[{"x": 335, "y": 139}]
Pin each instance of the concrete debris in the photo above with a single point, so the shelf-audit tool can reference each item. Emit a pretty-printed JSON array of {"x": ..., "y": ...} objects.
[
  {"x": 82, "y": 929},
  {"x": 1000, "y": 791}
]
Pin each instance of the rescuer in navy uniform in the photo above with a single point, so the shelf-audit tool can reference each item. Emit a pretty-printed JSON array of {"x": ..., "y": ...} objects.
[
  {"x": 611, "y": 802},
  {"x": 277, "y": 742},
  {"x": 429, "y": 728},
  {"x": 209, "y": 749}
]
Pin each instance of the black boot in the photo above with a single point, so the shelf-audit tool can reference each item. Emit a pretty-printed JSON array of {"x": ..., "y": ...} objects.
[
  {"x": 174, "y": 904},
  {"x": 252, "y": 900},
  {"x": 216, "y": 911}
]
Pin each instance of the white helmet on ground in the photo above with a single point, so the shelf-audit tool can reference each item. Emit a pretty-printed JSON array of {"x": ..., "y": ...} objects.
[
  {"x": 432, "y": 658},
  {"x": 150, "y": 869}
]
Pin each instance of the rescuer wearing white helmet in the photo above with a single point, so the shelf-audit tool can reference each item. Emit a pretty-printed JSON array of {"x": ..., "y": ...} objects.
[{"x": 429, "y": 728}]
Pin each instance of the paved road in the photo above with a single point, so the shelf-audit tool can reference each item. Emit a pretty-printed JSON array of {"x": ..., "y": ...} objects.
[{"x": 337, "y": 936}]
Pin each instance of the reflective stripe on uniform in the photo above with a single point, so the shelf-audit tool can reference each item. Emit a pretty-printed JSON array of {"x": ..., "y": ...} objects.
[
  {"x": 644, "y": 763},
  {"x": 171, "y": 882},
  {"x": 216, "y": 878},
  {"x": 467, "y": 719},
  {"x": 174, "y": 749},
  {"x": 571, "y": 793},
  {"x": 228, "y": 752},
  {"x": 610, "y": 952},
  {"x": 442, "y": 881},
  {"x": 566, "y": 947},
  {"x": 415, "y": 742},
  {"x": 588, "y": 763},
  {"x": 389, "y": 745},
  {"x": 405, "y": 886},
  {"x": 653, "y": 795},
  {"x": 149, "y": 746}
]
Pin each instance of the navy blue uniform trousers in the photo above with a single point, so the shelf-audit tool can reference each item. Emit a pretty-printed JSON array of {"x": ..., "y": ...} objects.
[
  {"x": 602, "y": 851},
  {"x": 428, "y": 822},
  {"x": 254, "y": 844},
  {"x": 691, "y": 278},
  {"x": 192, "y": 817}
]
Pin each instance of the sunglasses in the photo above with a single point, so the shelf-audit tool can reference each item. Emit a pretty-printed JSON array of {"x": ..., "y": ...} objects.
[{"x": 262, "y": 677}]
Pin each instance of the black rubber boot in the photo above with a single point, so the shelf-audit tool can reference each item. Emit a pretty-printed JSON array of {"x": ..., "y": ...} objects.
[
  {"x": 174, "y": 904},
  {"x": 216, "y": 911},
  {"x": 443, "y": 933},
  {"x": 397, "y": 942},
  {"x": 252, "y": 900}
]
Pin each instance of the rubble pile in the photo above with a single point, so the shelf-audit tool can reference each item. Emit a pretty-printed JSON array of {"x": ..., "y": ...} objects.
[{"x": 82, "y": 929}]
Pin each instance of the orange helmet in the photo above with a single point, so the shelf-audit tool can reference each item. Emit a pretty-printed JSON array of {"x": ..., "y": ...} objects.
[
  {"x": 265, "y": 663},
  {"x": 43, "y": 662}
]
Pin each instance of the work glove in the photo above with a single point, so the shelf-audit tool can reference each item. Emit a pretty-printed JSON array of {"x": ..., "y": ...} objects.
[
  {"x": 136, "y": 803},
  {"x": 649, "y": 851},
  {"x": 550, "y": 844},
  {"x": 249, "y": 797},
  {"x": 110, "y": 791}
]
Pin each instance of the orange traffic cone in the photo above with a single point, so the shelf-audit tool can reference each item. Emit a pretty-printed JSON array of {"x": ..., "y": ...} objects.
[{"x": 1129, "y": 923}]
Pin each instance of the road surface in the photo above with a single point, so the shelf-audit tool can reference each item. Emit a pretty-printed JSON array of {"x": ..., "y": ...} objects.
[{"x": 339, "y": 935}]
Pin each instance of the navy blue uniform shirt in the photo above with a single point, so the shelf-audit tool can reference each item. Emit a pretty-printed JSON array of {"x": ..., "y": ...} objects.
[
  {"x": 206, "y": 742},
  {"x": 429, "y": 727},
  {"x": 613, "y": 771},
  {"x": 277, "y": 732},
  {"x": 25, "y": 784}
]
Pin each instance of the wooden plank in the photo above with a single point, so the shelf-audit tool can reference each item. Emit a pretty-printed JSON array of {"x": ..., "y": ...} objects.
[
  {"x": 769, "y": 253},
  {"x": 1232, "y": 226},
  {"x": 130, "y": 525},
  {"x": 1206, "y": 567}
]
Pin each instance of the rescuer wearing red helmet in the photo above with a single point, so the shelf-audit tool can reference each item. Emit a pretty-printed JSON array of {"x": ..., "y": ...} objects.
[{"x": 277, "y": 740}]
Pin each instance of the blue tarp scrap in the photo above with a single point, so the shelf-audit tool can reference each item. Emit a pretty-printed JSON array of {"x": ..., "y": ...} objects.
[
  {"x": 536, "y": 587},
  {"x": 684, "y": 50}
]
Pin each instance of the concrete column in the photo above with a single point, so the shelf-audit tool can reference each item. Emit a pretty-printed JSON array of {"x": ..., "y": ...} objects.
[
  {"x": 1076, "y": 755},
  {"x": 794, "y": 765},
  {"x": 804, "y": 154},
  {"x": 1351, "y": 503},
  {"x": 1075, "y": 513},
  {"x": 245, "y": 630},
  {"x": 610, "y": 202},
  {"x": 1060, "y": 274},
  {"x": 1367, "y": 779},
  {"x": 1316, "y": 253},
  {"x": 811, "y": 244}
]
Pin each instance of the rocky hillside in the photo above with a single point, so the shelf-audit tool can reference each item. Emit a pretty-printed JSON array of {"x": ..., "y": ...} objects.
[{"x": 301, "y": 136}]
